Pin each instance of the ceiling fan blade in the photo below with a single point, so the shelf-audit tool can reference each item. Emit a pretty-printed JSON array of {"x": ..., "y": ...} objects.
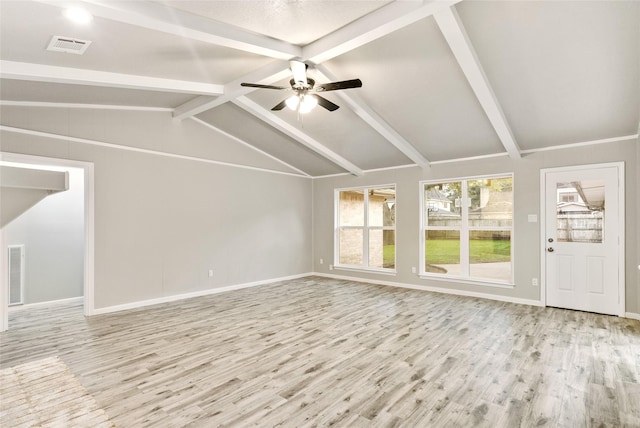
[
  {"x": 299, "y": 71},
  {"x": 323, "y": 102},
  {"x": 257, "y": 85},
  {"x": 279, "y": 106},
  {"x": 335, "y": 86}
]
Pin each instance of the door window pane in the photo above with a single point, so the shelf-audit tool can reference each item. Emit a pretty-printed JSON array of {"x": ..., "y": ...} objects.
[
  {"x": 490, "y": 254},
  {"x": 442, "y": 252},
  {"x": 580, "y": 211},
  {"x": 490, "y": 202}
]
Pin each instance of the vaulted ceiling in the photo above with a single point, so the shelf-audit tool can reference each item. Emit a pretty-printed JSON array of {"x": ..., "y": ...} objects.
[{"x": 442, "y": 80}]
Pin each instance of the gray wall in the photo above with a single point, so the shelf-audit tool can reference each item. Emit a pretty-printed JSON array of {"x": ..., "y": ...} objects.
[
  {"x": 52, "y": 232},
  {"x": 526, "y": 201},
  {"x": 636, "y": 189},
  {"x": 161, "y": 223}
]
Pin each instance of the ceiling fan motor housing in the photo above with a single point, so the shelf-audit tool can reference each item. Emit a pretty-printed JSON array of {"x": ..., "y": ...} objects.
[{"x": 300, "y": 85}]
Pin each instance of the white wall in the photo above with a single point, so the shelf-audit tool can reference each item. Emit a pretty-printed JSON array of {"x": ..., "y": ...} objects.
[
  {"x": 526, "y": 201},
  {"x": 52, "y": 232},
  {"x": 161, "y": 223}
]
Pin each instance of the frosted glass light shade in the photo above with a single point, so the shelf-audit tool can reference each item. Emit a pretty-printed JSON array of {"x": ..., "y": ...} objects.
[
  {"x": 308, "y": 104},
  {"x": 292, "y": 102}
]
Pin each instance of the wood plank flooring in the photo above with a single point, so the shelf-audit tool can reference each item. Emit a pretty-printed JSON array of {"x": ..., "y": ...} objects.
[
  {"x": 323, "y": 352},
  {"x": 44, "y": 393}
]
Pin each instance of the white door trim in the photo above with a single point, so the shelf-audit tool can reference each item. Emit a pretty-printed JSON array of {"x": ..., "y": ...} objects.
[
  {"x": 621, "y": 229},
  {"x": 89, "y": 303}
]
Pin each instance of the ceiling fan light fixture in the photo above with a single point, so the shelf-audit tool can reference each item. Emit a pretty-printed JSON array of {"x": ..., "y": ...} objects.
[
  {"x": 305, "y": 98},
  {"x": 292, "y": 102},
  {"x": 308, "y": 103}
]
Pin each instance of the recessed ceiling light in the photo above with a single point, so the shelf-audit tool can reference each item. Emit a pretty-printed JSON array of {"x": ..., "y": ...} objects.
[{"x": 78, "y": 15}]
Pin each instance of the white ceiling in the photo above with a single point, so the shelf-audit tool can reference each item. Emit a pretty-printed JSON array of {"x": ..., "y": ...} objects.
[
  {"x": 297, "y": 22},
  {"x": 441, "y": 80}
]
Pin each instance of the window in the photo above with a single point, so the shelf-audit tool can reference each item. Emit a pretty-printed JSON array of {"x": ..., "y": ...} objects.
[
  {"x": 577, "y": 221},
  {"x": 569, "y": 197},
  {"x": 365, "y": 232},
  {"x": 467, "y": 228}
]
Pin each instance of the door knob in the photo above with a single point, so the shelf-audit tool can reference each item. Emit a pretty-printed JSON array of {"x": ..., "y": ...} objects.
[
  {"x": 550, "y": 239},
  {"x": 550, "y": 249}
]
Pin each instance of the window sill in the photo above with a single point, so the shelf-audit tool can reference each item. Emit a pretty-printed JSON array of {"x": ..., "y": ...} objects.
[
  {"x": 472, "y": 281},
  {"x": 390, "y": 272}
]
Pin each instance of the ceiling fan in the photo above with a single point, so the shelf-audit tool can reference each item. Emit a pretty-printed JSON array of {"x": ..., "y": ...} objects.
[{"x": 305, "y": 97}]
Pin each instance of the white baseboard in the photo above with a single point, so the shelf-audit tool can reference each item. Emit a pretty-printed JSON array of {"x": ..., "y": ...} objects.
[
  {"x": 45, "y": 304},
  {"x": 437, "y": 289},
  {"x": 143, "y": 303},
  {"x": 166, "y": 299}
]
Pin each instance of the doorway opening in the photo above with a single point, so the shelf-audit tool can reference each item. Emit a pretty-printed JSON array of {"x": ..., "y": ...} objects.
[{"x": 56, "y": 240}]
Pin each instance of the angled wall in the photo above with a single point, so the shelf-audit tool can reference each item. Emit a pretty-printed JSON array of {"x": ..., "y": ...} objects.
[
  {"x": 170, "y": 204},
  {"x": 22, "y": 188}
]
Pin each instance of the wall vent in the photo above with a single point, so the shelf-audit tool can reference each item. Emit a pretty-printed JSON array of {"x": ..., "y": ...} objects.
[
  {"x": 68, "y": 45},
  {"x": 16, "y": 274}
]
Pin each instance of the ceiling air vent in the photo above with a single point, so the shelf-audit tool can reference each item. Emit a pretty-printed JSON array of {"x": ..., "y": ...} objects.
[{"x": 68, "y": 45}]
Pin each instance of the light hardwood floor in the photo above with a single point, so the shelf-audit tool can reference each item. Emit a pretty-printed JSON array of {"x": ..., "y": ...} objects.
[{"x": 321, "y": 352}]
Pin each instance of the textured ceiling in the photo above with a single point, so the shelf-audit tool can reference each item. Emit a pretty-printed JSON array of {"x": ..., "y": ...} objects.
[
  {"x": 298, "y": 22},
  {"x": 441, "y": 80},
  {"x": 116, "y": 47}
]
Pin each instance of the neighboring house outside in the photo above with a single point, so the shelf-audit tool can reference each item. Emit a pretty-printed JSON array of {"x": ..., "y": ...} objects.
[{"x": 437, "y": 201}]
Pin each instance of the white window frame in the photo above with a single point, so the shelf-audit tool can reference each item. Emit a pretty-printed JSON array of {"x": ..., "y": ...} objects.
[
  {"x": 464, "y": 234},
  {"x": 365, "y": 230}
]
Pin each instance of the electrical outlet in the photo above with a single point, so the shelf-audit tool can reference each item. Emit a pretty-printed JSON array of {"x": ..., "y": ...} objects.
[
  {"x": 534, "y": 282},
  {"x": 330, "y": 267},
  {"x": 321, "y": 261},
  {"x": 210, "y": 273},
  {"x": 413, "y": 270}
]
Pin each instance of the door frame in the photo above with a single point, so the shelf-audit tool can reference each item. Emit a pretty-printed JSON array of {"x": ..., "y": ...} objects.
[
  {"x": 621, "y": 229},
  {"x": 89, "y": 234}
]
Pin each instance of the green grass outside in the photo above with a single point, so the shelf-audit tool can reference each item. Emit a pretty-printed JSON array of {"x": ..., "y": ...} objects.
[
  {"x": 389, "y": 255},
  {"x": 490, "y": 251},
  {"x": 447, "y": 251}
]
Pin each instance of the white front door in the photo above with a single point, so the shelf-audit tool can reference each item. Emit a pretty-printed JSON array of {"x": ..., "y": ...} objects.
[{"x": 583, "y": 225}]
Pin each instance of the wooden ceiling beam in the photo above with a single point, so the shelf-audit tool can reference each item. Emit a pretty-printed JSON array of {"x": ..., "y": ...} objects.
[
  {"x": 372, "y": 26},
  {"x": 451, "y": 26},
  {"x": 374, "y": 120},
  {"x": 157, "y": 17},
  {"x": 266, "y": 75},
  {"x": 80, "y": 76},
  {"x": 295, "y": 133}
]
